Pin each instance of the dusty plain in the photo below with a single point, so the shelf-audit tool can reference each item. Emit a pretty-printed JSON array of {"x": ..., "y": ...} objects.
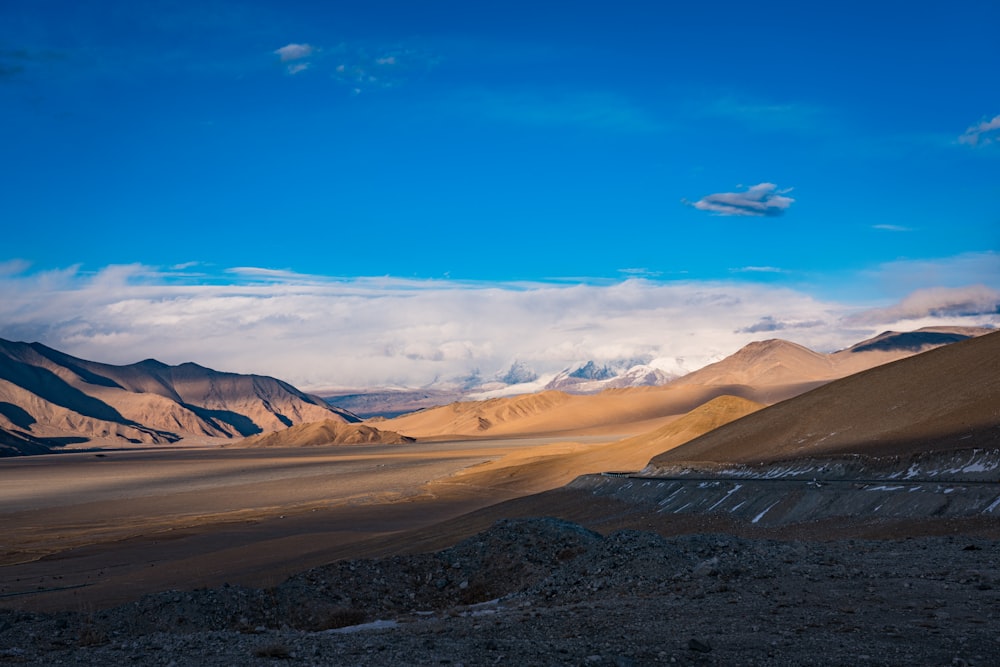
[{"x": 90, "y": 529}]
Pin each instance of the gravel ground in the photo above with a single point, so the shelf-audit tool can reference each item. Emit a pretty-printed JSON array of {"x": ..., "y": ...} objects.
[{"x": 549, "y": 592}]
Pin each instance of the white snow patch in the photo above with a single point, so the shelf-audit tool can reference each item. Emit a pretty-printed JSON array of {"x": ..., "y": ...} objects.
[
  {"x": 725, "y": 497},
  {"x": 761, "y": 515}
]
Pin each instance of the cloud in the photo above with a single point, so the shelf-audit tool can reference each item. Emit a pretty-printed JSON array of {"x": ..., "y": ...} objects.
[
  {"x": 770, "y": 323},
  {"x": 322, "y": 332},
  {"x": 291, "y": 52},
  {"x": 937, "y": 303},
  {"x": 641, "y": 272},
  {"x": 360, "y": 66},
  {"x": 982, "y": 134},
  {"x": 371, "y": 67},
  {"x": 762, "y": 200},
  {"x": 757, "y": 269},
  {"x": 293, "y": 55},
  {"x": 13, "y": 267},
  {"x": 892, "y": 228}
]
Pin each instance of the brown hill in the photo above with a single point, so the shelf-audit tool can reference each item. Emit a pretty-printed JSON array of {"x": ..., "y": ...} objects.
[
  {"x": 327, "y": 432},
  {"x": 780, "y": 362},
  {"x": 55, "y": 397},
  {"x": 941, "y": 400}
]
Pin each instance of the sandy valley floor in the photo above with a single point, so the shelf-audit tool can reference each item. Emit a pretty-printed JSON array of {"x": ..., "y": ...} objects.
[{"x": 89, "y": 529}]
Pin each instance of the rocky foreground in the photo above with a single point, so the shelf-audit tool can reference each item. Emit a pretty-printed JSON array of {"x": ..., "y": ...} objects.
[{"x": 549, "y": 592}]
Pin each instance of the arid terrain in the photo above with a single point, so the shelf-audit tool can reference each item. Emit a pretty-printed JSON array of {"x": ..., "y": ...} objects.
[{"x": 703, "y": 522}]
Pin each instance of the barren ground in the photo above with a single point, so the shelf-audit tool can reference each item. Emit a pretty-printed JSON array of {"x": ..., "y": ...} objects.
[{"x": 240, "y": 552}]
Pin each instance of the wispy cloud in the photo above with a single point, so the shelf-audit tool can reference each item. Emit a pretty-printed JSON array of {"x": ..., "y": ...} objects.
[
  {"x": 13, "y": 267},
  {"x": 318, "y": 331},
  {"x": 757, "y": 269},
  {"x": 365, "y": 67},
  {"x": 892, "y": 228},
  {"x": 937, "y": 302},
  {"x": 769, "y": 323},
  {"x": 293, "y": 57},
  {"x": 761, "y": 200},
  {"x": 639, "y": 272},
  {"x": 769, "y": 116},
  {"x": 553, "y": 108},
  {"x": 982, "y": 134},
  {"x": 903, "y": 276}
]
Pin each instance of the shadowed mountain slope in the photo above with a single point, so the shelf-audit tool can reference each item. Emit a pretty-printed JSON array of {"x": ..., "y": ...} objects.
[
  {"x": 941, "y": 400},
  {"x": 54, "y": 395}
]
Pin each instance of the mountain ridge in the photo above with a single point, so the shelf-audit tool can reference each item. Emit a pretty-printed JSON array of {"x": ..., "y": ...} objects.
[{"x": 56, "y": 399}]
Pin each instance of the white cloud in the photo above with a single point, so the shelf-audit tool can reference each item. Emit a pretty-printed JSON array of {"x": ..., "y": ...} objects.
[
  {"x": 316, "y": 331},
  {"x": 293, "y": 57},
  {"x": 982, "y": 134},
  {"x": 291, "y": 52},
  {"x": 892, "y": 228},
  {"x": 763, "y": 199},
  {"x": 758, "y": 269}
]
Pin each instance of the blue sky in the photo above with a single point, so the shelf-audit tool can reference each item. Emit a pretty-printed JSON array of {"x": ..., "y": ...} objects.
[{"x": 187, "y": 153}]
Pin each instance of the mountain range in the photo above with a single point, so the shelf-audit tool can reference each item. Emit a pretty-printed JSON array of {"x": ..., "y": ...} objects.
[
  {"x": 49, "y": 399},
  {"x": 765, "y": 372},
  {"x": 766, "y": 362}
]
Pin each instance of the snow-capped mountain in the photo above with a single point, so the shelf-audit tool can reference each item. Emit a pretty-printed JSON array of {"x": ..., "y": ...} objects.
[{"x": 591, "y": 377}]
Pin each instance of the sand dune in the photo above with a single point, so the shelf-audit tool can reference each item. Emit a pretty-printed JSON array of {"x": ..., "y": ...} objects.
[
  {"x": 327, "y": 432},
  {"x": 944, "y": 399}
]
